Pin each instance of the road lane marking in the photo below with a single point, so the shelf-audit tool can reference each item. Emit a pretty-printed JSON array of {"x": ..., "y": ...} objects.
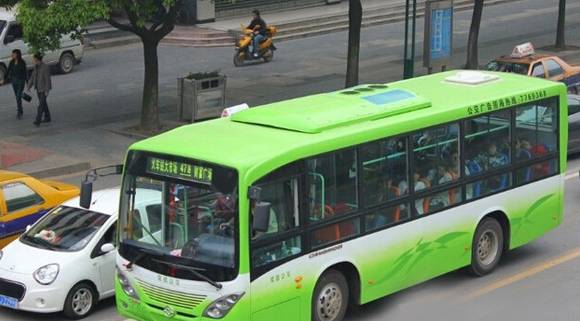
[{"x": 524, "y": 274}]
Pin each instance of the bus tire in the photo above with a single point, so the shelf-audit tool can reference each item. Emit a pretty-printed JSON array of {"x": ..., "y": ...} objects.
[
  {"x": 487, "y": 247},
  {"x": 80, "y": 301},
  {"x": 331, "y": 297}
]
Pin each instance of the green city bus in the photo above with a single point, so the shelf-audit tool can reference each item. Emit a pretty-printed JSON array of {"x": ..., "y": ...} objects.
[{"x": 293, "y": 210}]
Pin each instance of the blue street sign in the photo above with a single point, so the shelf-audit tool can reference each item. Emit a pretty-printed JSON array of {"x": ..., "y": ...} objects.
[{"x": 441, "y": 34}]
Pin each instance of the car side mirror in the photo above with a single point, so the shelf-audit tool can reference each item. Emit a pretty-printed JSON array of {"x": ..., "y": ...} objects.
[
  {"x": 9, "y": 39},
  {"x": 107, "y": 248},
  {"x": 261, "y": 217},
  {"x": 86, "y": 194}
]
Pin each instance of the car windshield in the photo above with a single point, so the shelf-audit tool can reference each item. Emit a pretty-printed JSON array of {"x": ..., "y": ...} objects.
[
  {"x": 65, "y": 228},
  {"x": 503, "y": 66},
  {"x": 179, "y": 215}
]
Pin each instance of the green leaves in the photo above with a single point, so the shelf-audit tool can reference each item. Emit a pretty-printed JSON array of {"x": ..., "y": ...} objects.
[{"x": 44, "y": 21}]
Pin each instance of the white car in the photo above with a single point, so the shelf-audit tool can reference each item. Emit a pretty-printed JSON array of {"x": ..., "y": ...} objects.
[
  {"x": 11, "y": 37},
  {"x": 66, "y": 261}
]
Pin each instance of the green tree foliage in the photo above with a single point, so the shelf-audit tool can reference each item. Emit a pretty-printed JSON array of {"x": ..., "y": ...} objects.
[{"x": 44, "y": 21}]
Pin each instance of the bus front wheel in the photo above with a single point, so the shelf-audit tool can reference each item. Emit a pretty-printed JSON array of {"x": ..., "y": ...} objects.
[
  {"x": 487, "y": 247},
  {"x": 330, "y": 298}
]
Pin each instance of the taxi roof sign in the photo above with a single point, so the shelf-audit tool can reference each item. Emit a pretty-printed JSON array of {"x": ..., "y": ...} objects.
[{"x": 523, "y": 50}]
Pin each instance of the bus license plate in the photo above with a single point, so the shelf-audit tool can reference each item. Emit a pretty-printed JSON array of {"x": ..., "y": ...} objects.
[{"x": 8, "y": 302}]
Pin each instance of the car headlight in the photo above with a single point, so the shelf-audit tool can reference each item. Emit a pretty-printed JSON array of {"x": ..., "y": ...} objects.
[
  {"x": 220, "y": 307},
  {"x": 46, "y": 274},
  {"x": 126, "y": 285}
]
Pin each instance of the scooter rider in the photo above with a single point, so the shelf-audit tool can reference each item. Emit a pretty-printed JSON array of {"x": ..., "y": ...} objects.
[{"x": 258, "y": 27}]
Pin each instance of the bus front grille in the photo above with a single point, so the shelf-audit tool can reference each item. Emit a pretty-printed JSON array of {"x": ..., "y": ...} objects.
[{"x": 171, "y": 297}]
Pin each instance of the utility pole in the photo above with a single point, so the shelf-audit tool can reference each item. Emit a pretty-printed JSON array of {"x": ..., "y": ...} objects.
[{"x": 410, "y": 23}]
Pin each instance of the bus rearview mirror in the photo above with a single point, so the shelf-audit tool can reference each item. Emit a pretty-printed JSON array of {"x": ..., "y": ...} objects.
[
  {"x": 86, "y": 194},
  {"x": 261, "y": 218},
  {"x": 254, "y": 193}
]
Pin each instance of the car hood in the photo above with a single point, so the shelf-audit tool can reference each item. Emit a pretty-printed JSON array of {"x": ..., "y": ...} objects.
[{"x": 25, "y": 259}]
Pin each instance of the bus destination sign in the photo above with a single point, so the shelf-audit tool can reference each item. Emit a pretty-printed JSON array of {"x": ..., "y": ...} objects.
[{"x": 179, "y": 170}]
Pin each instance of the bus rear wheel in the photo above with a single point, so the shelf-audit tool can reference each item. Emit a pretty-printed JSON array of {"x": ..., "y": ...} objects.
[
  {"x": 487, "y": 247},
  {"x": 331, "y": 297}
]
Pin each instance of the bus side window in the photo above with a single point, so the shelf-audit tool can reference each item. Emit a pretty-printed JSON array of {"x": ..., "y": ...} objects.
[
  {"x": 272, "y": 246},
  {"x": 384, "y": 171},
  {"x": 332, "y": 181},
  {"x": 537, "y": 136}
]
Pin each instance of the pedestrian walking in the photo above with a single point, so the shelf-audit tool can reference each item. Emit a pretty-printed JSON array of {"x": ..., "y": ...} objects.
[
  {"x": 17, "y": 75},
  {"x": 40, "y": 80}
]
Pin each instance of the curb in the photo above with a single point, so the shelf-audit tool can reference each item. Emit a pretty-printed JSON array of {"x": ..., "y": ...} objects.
[{"x": 61, "y": 171}]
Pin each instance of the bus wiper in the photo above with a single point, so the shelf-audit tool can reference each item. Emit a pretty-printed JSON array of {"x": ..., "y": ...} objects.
[{"x": 194, "y": 271}]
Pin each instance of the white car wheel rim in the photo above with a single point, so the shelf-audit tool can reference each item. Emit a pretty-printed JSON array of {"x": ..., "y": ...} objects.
[{"x": 82, "y": 301}]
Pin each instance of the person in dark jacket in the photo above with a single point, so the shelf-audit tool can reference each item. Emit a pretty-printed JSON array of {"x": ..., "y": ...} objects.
[
  {"x": 17, "y": 75},
  {"x": 258, "y": 26},
  {"x": 40, "y": 80}
]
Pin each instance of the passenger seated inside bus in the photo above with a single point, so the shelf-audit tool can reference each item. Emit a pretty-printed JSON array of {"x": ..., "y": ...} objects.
[{"x": 421, "y": 183}]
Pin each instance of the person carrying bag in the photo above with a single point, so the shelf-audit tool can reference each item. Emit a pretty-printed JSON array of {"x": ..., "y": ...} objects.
[{"x": 42, "y": 83}]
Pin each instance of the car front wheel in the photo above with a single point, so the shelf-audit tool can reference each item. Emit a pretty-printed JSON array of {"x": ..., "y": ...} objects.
[
  {"x": 66, "y": 63},
  {"x": 80, "y": 301}
]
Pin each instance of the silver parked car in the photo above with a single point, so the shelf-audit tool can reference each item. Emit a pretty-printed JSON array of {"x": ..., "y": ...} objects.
[{"x": 11, "y": 37}]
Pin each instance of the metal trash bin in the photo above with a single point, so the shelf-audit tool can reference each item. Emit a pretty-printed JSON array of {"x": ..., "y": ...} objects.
[{"x": 201, "y": 98}]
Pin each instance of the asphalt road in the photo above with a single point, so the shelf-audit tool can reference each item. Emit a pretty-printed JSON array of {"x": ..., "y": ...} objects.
[{"x": 538, "y": 282}]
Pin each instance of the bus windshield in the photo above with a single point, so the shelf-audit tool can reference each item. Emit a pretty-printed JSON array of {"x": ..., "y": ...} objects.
[{"x": 179, "y": 216}]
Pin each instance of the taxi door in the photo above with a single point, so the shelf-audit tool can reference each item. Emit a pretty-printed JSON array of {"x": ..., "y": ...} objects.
[{"x": 22, "y": 207}]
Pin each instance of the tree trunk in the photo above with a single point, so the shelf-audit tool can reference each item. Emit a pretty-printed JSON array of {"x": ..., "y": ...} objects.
[
  {"x": 355, "y": 21},
  {"x": 150, "y": 108},
  {"x": 472, "y": 47},
  {"x": 561, "y": 33}
]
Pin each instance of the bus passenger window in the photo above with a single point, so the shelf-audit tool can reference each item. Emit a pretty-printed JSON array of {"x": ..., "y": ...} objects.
[
  {"x": 487, "y": 143},
  {"x": 386, "y": 216},
  {"x": 284, "y": 214},
  {"x": 332, "y": 185},
  {"x": 436, "y": 156},
  {"x": 275, "y": 252},
  {"x": 536, "y": 130},
  {"x": 384, "y": 166}
]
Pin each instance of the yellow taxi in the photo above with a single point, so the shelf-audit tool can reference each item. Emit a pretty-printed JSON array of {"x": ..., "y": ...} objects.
[
  {"x": 524, "y": 60},
  {"x": 24, "y": 199}
]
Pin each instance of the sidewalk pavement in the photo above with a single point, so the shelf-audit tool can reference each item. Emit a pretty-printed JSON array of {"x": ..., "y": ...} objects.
[{"x": 302, "y": 14}]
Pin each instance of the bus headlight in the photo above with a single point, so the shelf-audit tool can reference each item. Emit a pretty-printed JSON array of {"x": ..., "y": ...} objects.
[
  {"x": 126, "y": 285},
  {"x": 46, "y": 274},
  {"x": 220, "y": 307}
]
